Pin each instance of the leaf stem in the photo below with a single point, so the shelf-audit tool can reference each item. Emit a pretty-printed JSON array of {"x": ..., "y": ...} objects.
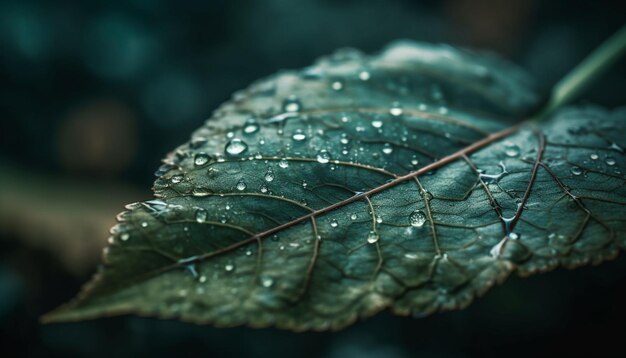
[{"x": 583, "y": 75}]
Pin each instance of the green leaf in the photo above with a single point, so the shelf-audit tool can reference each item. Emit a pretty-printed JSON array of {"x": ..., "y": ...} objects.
[{"x": 398, "y": 181}]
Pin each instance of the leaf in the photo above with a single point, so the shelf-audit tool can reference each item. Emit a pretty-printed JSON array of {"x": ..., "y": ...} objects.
[{"x": 396, "y": 181}]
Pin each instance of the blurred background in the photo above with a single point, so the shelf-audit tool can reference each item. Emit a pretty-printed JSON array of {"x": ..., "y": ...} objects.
[{"x": 94, "y": 93}]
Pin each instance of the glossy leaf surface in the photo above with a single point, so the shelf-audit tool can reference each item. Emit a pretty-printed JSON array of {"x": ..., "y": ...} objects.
[{"x": 395, "y": 181}]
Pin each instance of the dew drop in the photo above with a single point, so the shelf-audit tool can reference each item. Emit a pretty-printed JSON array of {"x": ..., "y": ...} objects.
[
  {"x": 593, "y": 156},
  {"x": 377, "y": 123},
  {"x": 417, "y": 218},
  {"x": 144, "y": 224},
  {"x": 269, "y": 176},
  {"x": 387, "y": 148},
  {"x": 201, "y": 159},
  {"x": 414, "y": 161},
  {"x": 323, "y": 156},
  {"x": 202, "y": 279},
  {"x": 372, "y": 237},
  {"x": 125, "y": 236},
  {"x": 337, "y": 85},
  {"x": 513, "y": 236},
  {"x": 267, "y": 281},
  {"x": 229, "y": 267},
  {"x": 201, "y": 216},
  {"x": 235, "y": 147},
  {"x": 176, "y": 178},
  {"x": 576, "y": 170},
  {"x": 364, "y": 75},
  {"x": 251, "y": 126},
  {"x": 263, "y": 188},
  {"x": 298, "y": 136},
  {"x": 334, "y": 223},
  {"x": 396, "y": 109},
  {"x": 241, "y": 185},
  {"x": 353, "y": 216},
  {"x": 511, "y": 149},
  {"x": 610, "y": 161},
  {"x": 283, "y": 163},
  {"x": 292, "y": 104}
]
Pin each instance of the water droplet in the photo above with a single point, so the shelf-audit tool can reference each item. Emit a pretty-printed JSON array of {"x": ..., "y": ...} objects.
[
  {"x": 337, "y": 85},
  {"x": 411, "y": 256},
  {"x": 364, "y": 75},
  {"x": 201, "y": 215},
  {"x": 235, "y": 147},
  {"x": 251, "y": 126},
  {"x": 334, "y": 223},
  {"x": 292, "y": 104},
  {"x": 379, "y": 219},
  {"x": 304, "y": 184},
  {"x": 511, "y": 149},
  {"x": 202, "y": 279},
  {"x": 229, "y": 267},
  {"x": 298, "y": 136},
  {"x": 372, "y": 237},
  {"x": 387, "y": 148},
  {"x": 417, "y": 218},
  {"x": 513, "y": 236},
  {"x": 144, "y": 224},
  {"x": 241, "y": 185},
  {"x": 267, "y": 281},
  {"x": 176, "y": 178},
  {"x": 609, "y": 161},
  {"x": 414, "y": 161},
  {"x": 263, "y": 188},
  {"x": 353, "y": 216},
  {"x": 283, "y": 163},
  {"x": 269, "y": 176},
  {"x": 323, "y": 156},
  {"x": 396, "y": 109},
  {"x": 593, "y": 156},
  {"x": 201, "y": 159},
  {"x": 576, "y": 170},
  {"x": 248, "y": 252},
  {"x": 377, "y": 123},
  {"x": 125, "y": 236}
]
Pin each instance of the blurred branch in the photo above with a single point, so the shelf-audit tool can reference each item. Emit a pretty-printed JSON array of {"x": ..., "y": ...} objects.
[{"x": 69, "y": 218}]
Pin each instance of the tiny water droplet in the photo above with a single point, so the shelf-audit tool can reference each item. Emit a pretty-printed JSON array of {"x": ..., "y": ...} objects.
[
  {"x": 337, "y": 85},
  {"x": 292, "y": 104},
  {"x": 610, "y": 161},
  {"x": 144, "y": 224},
  {"x": 334, "y": 223},
  {"x": 202, "y": 279},
  {"x": 353, "y": 216},
  {"x": 593, "y": 156},
  {"x": 201, "y": 159},
  {"x": 269, "y": 176},
  {"x": 511, "y": 149},
  {"x": 323, "y": 156},
  {"x": 251, "y": 126},
  {"x": 235, "y": 147},
  {"x": 263, "y": 188},
  {"x": 414, "y": 161},
  {"x": 241, "y": 185},
  {"x": 396, "y": 109},
  {"x": 417, "y": 218},
  {"x": 576, "y": 170},
  {"x": 176, "y": 178},
  {"x": 376, "y": 123},
  {"x": 387, "y": 148},
  {"x": 283, "y": 163},
  {"x": 372, "y": 237},
  {"x": 125, "y": 236},
  {"x": 364, "y": 75},
  {"x": 229, "y": 267},
  {"x": 267, "y": 281},
  {"x": 298, "y": 136},
  {"x": 201, "y": 215},
  {"x": 513, "y": 236}
]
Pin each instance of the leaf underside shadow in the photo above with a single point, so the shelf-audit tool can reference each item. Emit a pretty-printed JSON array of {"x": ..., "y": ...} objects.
[{"x": 401, "y": 181}]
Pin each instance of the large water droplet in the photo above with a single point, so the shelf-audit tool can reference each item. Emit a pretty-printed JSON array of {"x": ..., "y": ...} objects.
[
  {"x": 372, "y": 237},
  {"x": 201, "y": 216},
  {"x": 417, "y": 218},
  {"x": 323, "y": 156},
  {"x": 235, "y": 147}
]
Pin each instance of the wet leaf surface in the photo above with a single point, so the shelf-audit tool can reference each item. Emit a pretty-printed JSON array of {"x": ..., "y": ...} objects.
[{"x": 400, "y": 181}]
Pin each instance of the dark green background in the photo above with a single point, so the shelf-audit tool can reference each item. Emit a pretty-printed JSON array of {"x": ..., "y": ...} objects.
[{"x": 67, "y": 67}]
